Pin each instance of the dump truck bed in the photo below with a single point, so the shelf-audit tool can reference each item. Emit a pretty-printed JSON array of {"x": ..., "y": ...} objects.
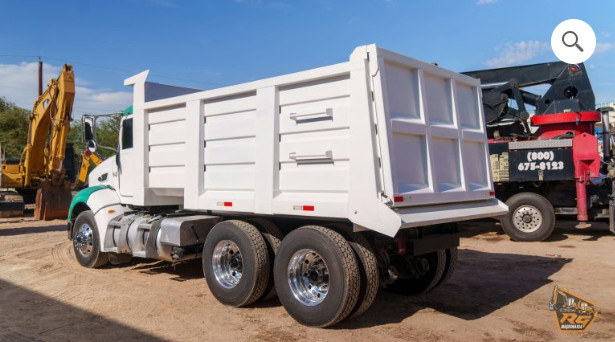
[{"x": 383, "y": 140}]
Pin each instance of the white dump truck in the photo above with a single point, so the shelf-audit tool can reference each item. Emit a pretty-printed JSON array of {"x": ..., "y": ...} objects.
[{"x": 319, "y": 187}]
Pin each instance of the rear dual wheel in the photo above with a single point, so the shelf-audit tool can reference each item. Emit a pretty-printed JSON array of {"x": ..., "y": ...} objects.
[
  {"x": 368, "y": 268},
  {"x": 424, "y": 272},
  {"x": 273, "y": 239},
  {"x": 236, "y": 263},
  {"x": 317, "y": 276}
]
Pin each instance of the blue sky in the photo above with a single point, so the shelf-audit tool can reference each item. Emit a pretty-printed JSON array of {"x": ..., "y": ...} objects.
[{"x": 205, "y": 44}]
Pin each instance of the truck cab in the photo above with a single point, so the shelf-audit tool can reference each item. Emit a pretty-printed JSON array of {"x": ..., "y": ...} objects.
[{"x": 109, "y": 172}]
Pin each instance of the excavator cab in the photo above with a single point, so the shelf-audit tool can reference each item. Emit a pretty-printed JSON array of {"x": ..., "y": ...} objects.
[{"x": 11, "y": 203}]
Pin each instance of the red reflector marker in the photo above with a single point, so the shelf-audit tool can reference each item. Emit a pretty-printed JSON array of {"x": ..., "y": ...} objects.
[
  {"x": 398, "y": 199},
  {"x": 308, "y": 208},
  {"x": 491, "y": 193},
  {"x": 401, "y": 246},
  {"x": 228, "y": 204}
]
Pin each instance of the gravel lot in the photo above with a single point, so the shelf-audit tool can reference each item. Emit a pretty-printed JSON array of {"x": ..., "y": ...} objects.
[{"x": 501, "y": 291}]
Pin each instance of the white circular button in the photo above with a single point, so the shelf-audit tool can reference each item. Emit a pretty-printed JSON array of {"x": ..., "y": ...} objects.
[{"x": 573, "y": 41}]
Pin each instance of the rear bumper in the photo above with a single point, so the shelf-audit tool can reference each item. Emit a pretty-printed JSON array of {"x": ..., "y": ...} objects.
[{"x": 450, "y": 212}]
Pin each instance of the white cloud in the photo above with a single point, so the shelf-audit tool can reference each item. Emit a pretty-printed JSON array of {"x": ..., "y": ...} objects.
[
  {"x": 603, "y": 47},
  {"x": 517, "y": 53},
  {"x": 485, "y": 2},
  {"x": 19, "y": 84}
]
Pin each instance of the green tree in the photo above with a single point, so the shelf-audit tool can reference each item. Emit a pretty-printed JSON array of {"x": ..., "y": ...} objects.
[
  {"x": 107, "y": 131},
  {"x": 13, "y": 128}
]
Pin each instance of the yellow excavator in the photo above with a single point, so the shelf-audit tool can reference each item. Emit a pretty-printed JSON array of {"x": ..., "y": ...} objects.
[{"x": 41, "y": 164}]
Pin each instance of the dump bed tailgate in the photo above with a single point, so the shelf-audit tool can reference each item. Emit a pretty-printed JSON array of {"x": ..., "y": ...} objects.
[{"x": 433, "y": 143}]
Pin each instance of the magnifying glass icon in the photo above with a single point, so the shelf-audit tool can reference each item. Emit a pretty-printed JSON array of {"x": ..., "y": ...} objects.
[{"x": 576, "y": 40}]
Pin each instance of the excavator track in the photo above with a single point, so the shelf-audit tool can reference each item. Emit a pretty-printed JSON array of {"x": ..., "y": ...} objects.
[{"x": 11, "y": 204}]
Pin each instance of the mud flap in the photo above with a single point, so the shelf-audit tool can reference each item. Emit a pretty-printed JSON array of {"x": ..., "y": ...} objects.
[
  {"x": 52, "y": 201},
  {"x": 612, "y": 215}
]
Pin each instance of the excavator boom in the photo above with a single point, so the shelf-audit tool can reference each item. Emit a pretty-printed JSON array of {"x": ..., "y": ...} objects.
[{"x": 48, "y": 130}]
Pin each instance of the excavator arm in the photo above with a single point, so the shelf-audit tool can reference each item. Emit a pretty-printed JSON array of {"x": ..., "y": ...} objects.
[
  {"x": 87, "y": 159},
  {"x": 48, "y": 131}
]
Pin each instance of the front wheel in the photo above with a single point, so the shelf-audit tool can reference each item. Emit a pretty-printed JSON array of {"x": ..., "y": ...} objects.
[
  {"x": 530, "y": 217},
  {"x": 86, "y": 242}
]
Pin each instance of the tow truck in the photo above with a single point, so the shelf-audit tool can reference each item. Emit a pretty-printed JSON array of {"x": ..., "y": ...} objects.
[{"x": 548, "y": 163}]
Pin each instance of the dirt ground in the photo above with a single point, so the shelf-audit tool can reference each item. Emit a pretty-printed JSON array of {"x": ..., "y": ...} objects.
[{"x": 501, "y": 291}]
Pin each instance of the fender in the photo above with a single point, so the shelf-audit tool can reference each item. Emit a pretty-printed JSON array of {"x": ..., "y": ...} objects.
[{"x": 94, "y": 198}]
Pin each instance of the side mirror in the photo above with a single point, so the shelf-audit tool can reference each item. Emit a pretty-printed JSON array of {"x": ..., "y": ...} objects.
[
  {"x": 92, "y": 146},
  {"x": 88, "y": 128}
]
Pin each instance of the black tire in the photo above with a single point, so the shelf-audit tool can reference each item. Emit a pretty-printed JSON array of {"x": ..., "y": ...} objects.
[
  {"x": 426, "y": 281},
  {"x": 452, "y": 255},
  {"x": 368, "y": 268},
  {"x": 538, "y": 222},
  {"x": 85, "y": 233},
  {"x": 343, "y": 280},
  {"x": 254, "y": 261},
  {"x": 273, "y": 238}
]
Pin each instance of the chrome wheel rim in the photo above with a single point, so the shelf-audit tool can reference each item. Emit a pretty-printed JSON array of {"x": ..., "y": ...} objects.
[
  {"x": 84, "y": 240},
  {"x": 527, "y": 218},
  {"x": 227, "y": 263},
  {"x": 308, "y": 277}
]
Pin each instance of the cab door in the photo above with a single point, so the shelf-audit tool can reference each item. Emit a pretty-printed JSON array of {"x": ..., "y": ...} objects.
[{"x": 125, "y": 158}]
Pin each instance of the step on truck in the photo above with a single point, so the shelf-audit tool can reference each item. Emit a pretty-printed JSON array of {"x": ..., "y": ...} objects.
[{"x": 318, "y": 187}]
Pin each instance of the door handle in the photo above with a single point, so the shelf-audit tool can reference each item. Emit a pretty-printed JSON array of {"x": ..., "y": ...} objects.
[
  {"x": 312, "y": 114},
  {"x": 328, "y": 155}
]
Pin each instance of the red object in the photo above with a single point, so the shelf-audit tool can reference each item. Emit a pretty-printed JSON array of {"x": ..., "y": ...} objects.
[
  {"x": 581, "y": 201},
  {"x": 308, "y": 208},
  {"x": 491, "y": 193},
  {"x": 578, "y": 126},
  {"x": 571, "y": 117},
  {"x": 401, "y": 246},
  {"x": 586, "y": 166},
  {"x": 584, "y": 147},
  {"x": 228, "y": 204},
  {"x": 398, "y": 199},
  {"x": 553, "y": 125}
]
